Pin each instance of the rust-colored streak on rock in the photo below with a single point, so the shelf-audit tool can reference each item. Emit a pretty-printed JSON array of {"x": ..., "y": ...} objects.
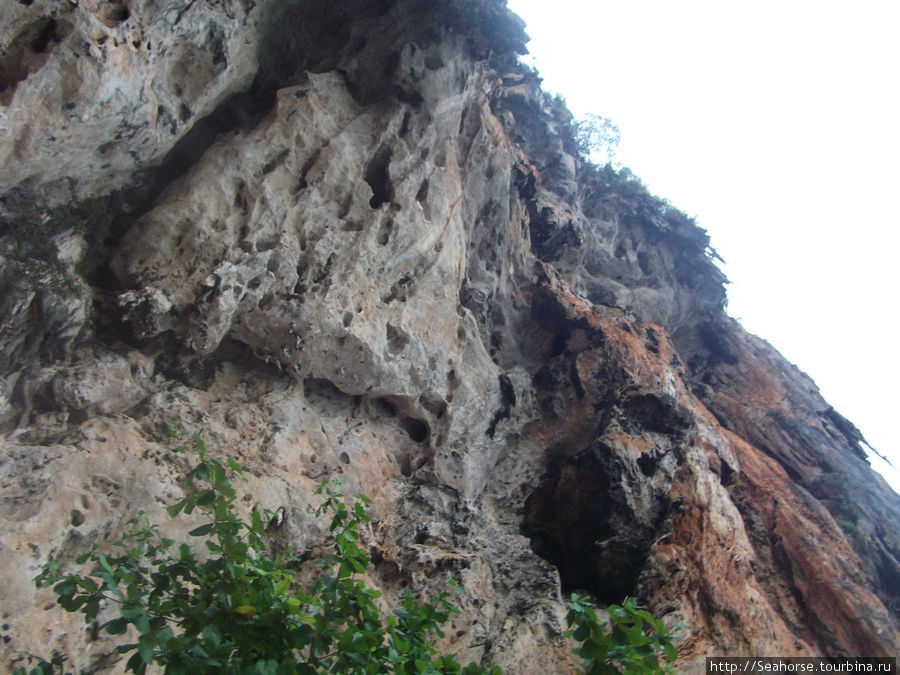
[{"x": 818, "y": 563}]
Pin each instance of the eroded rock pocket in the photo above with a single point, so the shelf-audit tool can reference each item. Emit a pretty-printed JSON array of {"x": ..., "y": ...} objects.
[{"x": 579, "y": 520}]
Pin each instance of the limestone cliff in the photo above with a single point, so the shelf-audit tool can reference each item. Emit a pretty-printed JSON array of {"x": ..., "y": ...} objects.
[{"x": 354, "y": 238}]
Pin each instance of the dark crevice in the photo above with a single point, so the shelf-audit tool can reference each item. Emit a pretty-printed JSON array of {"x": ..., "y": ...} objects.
[
  {"x": 410, "y": 98},
  {"x": 647, "y": 463},
  {"x": 579, "y": 520},
  {"x": 197, "y": 371},
  {"x": 378, "y": 177},
  {"x": 295, "y": 38},
  {"x": 45, "y": 35},
  {"x": 507, "y": 402},
  {"x": 657, "y": 412},
  {"x": 27, "y": 52},
  {"x": 551, "y": 238},
  {"x": 273, "y": 163},
  {"x": 323, "y": 394},
  {"x": 241, "y": 111},
  {"x": 307, "y": 165},
  {"x": 404, "y": 125},
  {"x": 417, "y": 430},
  {"x": 714, "y": 337},
  {"x": 397, "y": 339}
]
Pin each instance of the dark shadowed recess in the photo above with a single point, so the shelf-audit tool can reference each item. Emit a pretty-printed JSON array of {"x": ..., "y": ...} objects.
[
  {"x": 579, "y": 520},
  {"x": 295, "y": 38}
]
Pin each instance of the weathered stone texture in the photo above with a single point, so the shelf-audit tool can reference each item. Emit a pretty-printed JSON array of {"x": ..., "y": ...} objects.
[{"x": 357, "y": 241}]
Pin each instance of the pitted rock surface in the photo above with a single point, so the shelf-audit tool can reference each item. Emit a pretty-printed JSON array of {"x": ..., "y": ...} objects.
[{"x": 357, "y": 241}]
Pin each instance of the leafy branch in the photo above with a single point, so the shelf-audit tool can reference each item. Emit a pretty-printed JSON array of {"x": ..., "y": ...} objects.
[{"x": 237, "y": 609}]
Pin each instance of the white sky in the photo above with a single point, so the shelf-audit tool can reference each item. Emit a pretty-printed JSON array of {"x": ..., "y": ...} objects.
[{"x": 777, "y": 125}]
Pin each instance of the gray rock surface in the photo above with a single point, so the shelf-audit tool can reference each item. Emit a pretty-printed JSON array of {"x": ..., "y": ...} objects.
[{"x": 356, "y": 240}]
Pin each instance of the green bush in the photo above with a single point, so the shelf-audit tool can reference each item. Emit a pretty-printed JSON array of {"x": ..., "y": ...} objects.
[
  {"x": 622, "y": 645},
  {"x": 239, "y": 610}
]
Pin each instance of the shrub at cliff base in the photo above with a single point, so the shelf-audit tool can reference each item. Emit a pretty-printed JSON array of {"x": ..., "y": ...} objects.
[{"x": 239, "y": 610}]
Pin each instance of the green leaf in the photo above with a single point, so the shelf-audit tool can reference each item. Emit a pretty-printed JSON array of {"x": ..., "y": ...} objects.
[
  {"x": 131, "y": 611},
  {"x": 582, "y": 632},
  {"x": 88, "y": 584},
  {"x": 202, "y": 530},
  {"x": 636, "y": 637},
  {"x": 211, "y": 633},
  {"x": 116, "y": 626},
  {"x": 205, "y": 498},
  {"x": 66, "y": 587},
  {"x": 671, "y": 652},
  {"x": 145, "y": 649},
  {"x": 136, "y": 662},
  {"x": 70, "y": 603},
  {"x": 242, "y": 611},
  {"x": 90, "y": 609},
  {"x": 201, "y": 472},
  {"x": 104, "y": 563}
]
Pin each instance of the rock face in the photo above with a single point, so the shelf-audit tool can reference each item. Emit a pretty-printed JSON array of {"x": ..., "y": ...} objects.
[{"x": 355, "y": 239}]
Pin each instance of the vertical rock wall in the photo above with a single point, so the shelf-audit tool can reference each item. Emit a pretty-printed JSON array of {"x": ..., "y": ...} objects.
[{"x": 356, "y": 240}]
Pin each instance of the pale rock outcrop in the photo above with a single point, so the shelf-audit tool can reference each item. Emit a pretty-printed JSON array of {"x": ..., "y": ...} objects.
[
  {"x": 369, "y": 250},
  {"x": 92, "y": 92}
]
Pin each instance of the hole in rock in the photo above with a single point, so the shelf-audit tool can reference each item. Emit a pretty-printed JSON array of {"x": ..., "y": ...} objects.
[
  {"x": 578, "y": 520},
  {"x": 324, "y": 395},
  {"x": 644, "y": 262},
  {"x": 422, "y": 199},
  {"x": 27, "y": 52},
  {"x": 660, "y": 413},
  {"x": 44, "y": 37},
  {"x": 114, "y": 13},
  {"x": 422, "y": 194},
  {"x": 436, "y": 406},
  {"x": 434, "y": 62},
  {"x": 412, "y": 99},
  {"x": 378, "y": 177},
  {"x": 384, "y": 233},
  {"x": 404, "y": 125},
  {"x": 266, "y": 301},
  {"x": 381, "y": 407},
  {"x": 647, "y": 464},
  {"x": 417, "y": 430},
  {"x": 397, "y": 339},
  {"x": 507, "y": 399}
]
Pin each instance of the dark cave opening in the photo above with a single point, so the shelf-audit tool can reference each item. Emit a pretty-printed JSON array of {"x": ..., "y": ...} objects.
[
  {"x": 577, "y": 521},
  {"x": 378, "y": 177}
]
